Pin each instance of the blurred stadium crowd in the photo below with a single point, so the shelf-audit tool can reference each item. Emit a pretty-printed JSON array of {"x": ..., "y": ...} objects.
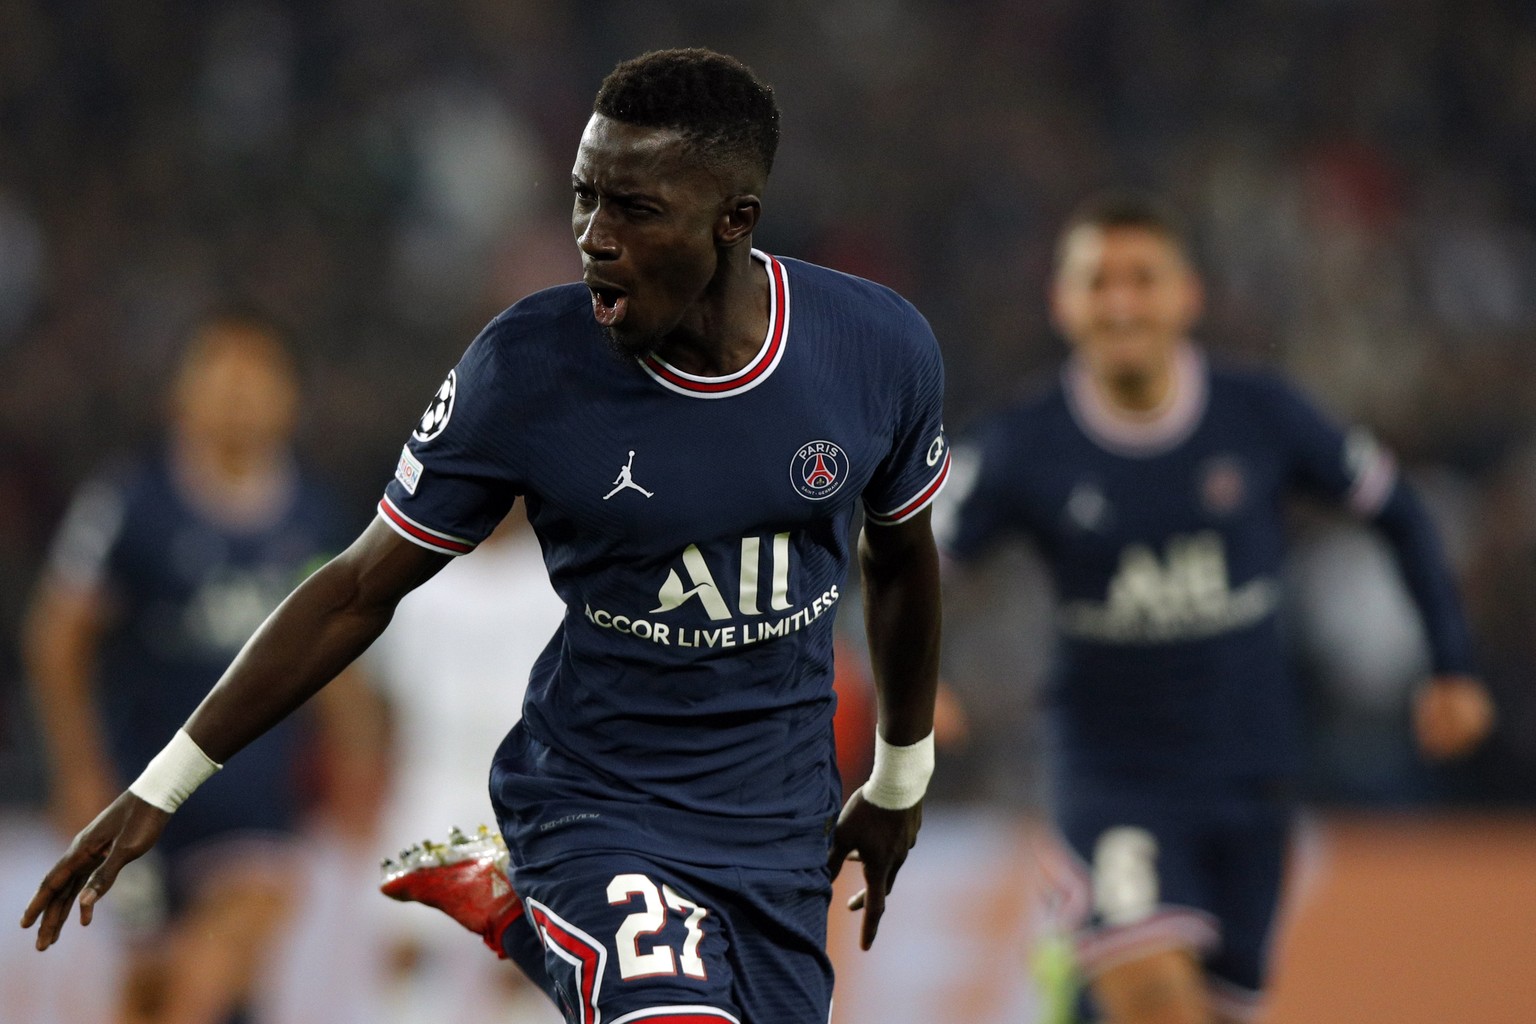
[{"x": 1360, "y": 176}]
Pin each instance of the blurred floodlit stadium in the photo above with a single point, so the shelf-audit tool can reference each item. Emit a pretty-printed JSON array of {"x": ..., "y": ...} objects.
[{"x": 1359, "y": 177}]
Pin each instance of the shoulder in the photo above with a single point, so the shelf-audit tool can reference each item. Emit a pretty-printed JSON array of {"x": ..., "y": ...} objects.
[
  {"x": 131, "y": 481},
  {"x": 1250, "y": 382},
  {"x": 122, "y": 501},
  {"x": 844, "y": 286},
  {"x": 543, "y": 309},
  {"x": 858, "y": 301},
  {"x": 1278, "y": 415},
  {"x": 539, "y": 320},
  {"x": 1261, "y": 393},
  {"x": 526, "y": 346}
]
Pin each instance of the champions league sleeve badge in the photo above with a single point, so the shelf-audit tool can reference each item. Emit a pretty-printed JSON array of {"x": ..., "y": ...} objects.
[
  {"x": 818, "y": 469},
  {"x": 435, "y": 419}
]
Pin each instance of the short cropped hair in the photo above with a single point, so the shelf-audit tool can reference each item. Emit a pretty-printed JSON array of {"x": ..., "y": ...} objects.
[
  {"x": 1124, "y": 209},
  {"x": 715, "y": 102}
]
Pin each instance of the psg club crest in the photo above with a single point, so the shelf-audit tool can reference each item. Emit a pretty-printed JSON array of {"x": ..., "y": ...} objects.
[
  {"x": 1222, "y": 488},
  {"x": 435, "y": 419},
  {"x": 818, "y": 470}
]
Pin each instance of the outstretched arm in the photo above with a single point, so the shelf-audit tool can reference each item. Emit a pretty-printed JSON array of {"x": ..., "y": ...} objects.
[
  {"x": 900, "y": 568},
  {"x": 1453, "y": 712},
  {"x": 315, "y": 633}
]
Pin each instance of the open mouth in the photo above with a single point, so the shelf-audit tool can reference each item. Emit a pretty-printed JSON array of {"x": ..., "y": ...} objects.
[{"x": 608, "y": 304}]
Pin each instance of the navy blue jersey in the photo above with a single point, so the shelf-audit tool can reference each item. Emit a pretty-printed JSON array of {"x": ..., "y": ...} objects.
[
  {"x": 185, "y": 592},
  {"x": 1165, "y": 541},
  {"x": 697, "y": 529}
]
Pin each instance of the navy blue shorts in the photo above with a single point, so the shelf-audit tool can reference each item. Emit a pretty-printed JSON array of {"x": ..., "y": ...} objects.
[
  {"x": 643, "y": 939},
  {"x": 1161, "y": 866}
]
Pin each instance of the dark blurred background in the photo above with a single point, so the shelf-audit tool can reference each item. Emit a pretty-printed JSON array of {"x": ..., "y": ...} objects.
[{"x": 384, "y": 176}]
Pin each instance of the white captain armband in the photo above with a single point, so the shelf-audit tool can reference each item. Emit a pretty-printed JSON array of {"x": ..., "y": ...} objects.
[
  {"x": 900, "y": 775},
  {"x": 174, "y": 773}
]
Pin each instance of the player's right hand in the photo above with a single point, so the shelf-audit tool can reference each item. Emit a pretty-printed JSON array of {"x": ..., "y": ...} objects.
[{"x": 123, "y": 832}]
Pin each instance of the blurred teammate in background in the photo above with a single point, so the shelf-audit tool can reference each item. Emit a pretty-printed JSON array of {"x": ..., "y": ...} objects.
[
  {"x": 161, "y": 570},
  {"x": 693, "y": 429},
  {"x": 1153, "y": 484}
]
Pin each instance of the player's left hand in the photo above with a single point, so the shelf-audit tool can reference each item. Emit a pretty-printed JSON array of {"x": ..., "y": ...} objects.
[
  {"x": 880, "y": 840},
  {"x": 1452, "y": 714}
]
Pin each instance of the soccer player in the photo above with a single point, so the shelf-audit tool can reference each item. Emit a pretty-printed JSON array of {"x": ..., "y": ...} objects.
[
  {"x": 1152, "y": 482},
  {"x": 163, "y": 567},
  {"x": 692, "y": 429}
]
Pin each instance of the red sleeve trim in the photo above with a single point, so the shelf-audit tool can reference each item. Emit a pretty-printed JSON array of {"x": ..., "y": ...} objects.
[
  {"x": 917, "y": 504},
  {"x": 426, "y": 537}
]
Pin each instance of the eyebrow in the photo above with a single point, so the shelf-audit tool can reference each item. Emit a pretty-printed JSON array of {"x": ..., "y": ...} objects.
[{"x": 620, "y": 193}]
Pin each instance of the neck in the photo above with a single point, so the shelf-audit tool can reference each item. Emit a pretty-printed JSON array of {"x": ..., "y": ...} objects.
[
  {"x": 235, "y": 484},
  {"x": 730, "y": 320},
  {"x": 1139, "y": 392}
]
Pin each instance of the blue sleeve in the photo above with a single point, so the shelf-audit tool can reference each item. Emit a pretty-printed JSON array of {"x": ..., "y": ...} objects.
[
  {"x": 452, "y": 485},
  {"x": 975, "y": 513},
  {"x": 1351, "y": 468},
  {"x": 87, "y": 547},
  {"x": 1347, "y": 467},
  {"x": 913, "y": 472},
  {"x": 1407, "y": 526}
]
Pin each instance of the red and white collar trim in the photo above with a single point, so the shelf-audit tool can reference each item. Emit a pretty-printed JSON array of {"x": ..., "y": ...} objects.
[
  {"x": 756, "y": 371},
  {"x": 1164, "y": 428}
]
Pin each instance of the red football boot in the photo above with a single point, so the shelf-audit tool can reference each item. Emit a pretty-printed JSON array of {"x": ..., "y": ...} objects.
[{"x": 466, "y": 878}]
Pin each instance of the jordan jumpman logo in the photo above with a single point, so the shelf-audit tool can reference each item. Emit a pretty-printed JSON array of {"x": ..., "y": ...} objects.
[{"x": 626, "y": 480}]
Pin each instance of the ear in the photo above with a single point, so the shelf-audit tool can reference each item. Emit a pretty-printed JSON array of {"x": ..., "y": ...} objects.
[{"x": 737, "y": 220}]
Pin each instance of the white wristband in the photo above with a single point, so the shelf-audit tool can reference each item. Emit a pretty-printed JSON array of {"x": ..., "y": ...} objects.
[
  {"x": 900, "y": 775},
  {"x": 174, "y": 773}
]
